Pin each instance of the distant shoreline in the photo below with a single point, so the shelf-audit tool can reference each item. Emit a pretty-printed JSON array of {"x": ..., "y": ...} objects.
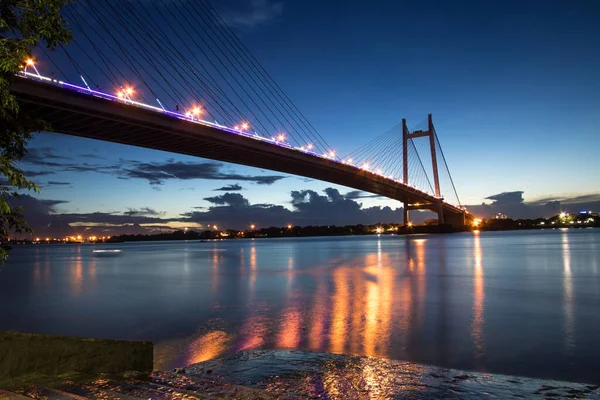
[{"x": 298, "y": 232}]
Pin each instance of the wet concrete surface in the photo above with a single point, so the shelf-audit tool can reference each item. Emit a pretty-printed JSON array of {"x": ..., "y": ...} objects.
[
  {"x": 296, "y": 374},
  {"x": 280, "y": 374}
]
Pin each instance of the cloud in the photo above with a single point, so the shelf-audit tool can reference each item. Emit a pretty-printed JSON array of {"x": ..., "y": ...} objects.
[
  {"x": 308, "y": 208},
  {"x": 230, "y": 199},
  {"x": 359, "y": 194},
  {"x": 507, "y": 198},
  {"x": 144, "y": 211},
  {"x": 51, "y": 203},
  {"x": 513, "y": 205},
  {"x": 55, "y": 183},
  {"x": 91, "y": 155},
  {"x": 229, "y": 210},
  {"x": 586, "y": 198},
  {"x": 33, "y": 174},
  {"x": 256, "y": 13},
  {"x": 109, "y": 218},
  {"x": 46, "y": 221},
  {"x": 52, "y": 163},
  {"x": 229, "y": 188},
  {"x": 42, "y": 154},
  {"x": 157, "y": 173}
]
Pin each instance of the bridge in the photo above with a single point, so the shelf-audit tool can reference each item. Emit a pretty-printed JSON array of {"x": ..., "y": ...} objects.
[{"x": 382, "y": 167}]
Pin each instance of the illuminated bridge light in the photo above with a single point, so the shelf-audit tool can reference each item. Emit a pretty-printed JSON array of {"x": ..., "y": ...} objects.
[
  {"x": 281, "y": 137},
  {"x": 331, "y": 154},
  {"x": 365, "y": 166},
  {"x": 29, "y": 61},
  {"x": 129, "y": 91},
  {"x": 197, "y": 111},
  {"x": 245, "y": 126},
  {"x": 309, "y": 146}
]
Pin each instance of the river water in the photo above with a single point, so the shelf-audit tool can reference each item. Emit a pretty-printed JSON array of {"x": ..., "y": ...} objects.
[{"x": 520, "y": 303}]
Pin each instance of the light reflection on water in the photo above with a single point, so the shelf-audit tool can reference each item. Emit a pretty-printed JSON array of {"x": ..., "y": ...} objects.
[
  {"x": 522, "y": 303},
  {"x": 568, "y": 293},
  {"x": 478, "y": 298}
]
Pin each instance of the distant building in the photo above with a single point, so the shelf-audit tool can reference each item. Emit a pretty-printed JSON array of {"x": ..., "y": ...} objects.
[
  {"x": 589, "y": 213},
  {"x": 500, "y": 216}
]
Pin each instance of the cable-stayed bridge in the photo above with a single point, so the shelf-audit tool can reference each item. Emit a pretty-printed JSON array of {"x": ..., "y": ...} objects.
[{"x": 217, "y": 102}]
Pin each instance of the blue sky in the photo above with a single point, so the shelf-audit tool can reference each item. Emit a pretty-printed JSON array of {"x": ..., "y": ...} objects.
[{"x": 513, "y": 88}]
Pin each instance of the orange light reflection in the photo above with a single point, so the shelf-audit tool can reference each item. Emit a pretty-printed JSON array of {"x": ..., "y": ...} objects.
[
  {"x": 207, "y": 347},
  {"x": 289, "y": 336},
  {"x": 477, "y": 324}
]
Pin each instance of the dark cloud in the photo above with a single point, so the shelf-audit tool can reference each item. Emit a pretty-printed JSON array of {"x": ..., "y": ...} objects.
[
  {"x": 359, "y": 194},
  {"x": 87, "y": 167},
  {"x": 110, "y": 218},
  {"x": 546, "y": 200},
  {"x": 309, "y": 208},
  {"x": 229, "y": 188},
  {"x": 91, "y": 155},
  {"x": 40, "y": 214},
  {"x": 229, "y": 210},
  {"x": 51, "y": 203},
  {"x": 157, "y": 173},
  {"x": 52, "y": 163},
  {"x": 33, "y": 174},
  {"x": 46, "y": 220},
  {"x": 513, "y": 205},
  {"x": 144, "y": 211},
  {"x": 507, "y": 198},
  {"x": 42, "y": 154},
  {"x": 586, "y": 198},
  {"x": 230, "y": 199},
  {"x": 56, "y": 183}
]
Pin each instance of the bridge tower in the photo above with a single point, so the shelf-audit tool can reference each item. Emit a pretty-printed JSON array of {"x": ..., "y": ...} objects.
[{"x": 429, "y": 133}]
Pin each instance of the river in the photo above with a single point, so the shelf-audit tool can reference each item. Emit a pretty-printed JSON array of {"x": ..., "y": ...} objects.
[{"x": 520, "y": 303}]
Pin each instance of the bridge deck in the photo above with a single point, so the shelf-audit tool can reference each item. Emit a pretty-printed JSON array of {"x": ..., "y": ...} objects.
[{"x": 84, "y": 115}]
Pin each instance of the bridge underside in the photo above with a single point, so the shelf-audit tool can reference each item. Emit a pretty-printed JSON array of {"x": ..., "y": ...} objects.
[{"x": 84, "y": 115}]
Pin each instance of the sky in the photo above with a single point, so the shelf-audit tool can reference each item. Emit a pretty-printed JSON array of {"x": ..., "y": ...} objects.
[{"x": 513, "y": 88}]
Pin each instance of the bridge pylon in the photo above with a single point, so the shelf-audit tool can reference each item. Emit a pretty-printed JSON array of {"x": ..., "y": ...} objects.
[{"x": 437, "y": 205}]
